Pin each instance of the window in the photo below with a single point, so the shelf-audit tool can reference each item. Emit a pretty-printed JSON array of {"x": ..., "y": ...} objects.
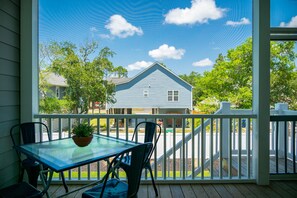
[
  {"x": 58, "y": 92},
  {"x": 145, "y": 93},
  {"x": 173, "y": 96}
]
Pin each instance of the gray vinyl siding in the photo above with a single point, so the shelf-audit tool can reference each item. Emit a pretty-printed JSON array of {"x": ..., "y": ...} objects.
[
  {"x": 157, "y": 81},
  {"x": 9, "y": 87}
]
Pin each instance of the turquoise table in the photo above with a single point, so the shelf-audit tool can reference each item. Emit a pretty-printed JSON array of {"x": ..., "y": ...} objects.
[{"x": 64, "y": 154}]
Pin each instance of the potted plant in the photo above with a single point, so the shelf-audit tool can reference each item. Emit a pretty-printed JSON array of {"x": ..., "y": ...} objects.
[{"x": 82, "y": 134}]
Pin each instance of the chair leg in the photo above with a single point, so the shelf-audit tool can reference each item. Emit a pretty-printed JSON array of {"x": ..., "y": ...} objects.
[
  {"x": 22, "y": 171},
  {"x": 153, "y": 181},
  {"x": 33, "y": 173},
  {"x": 64, "y": 183}
]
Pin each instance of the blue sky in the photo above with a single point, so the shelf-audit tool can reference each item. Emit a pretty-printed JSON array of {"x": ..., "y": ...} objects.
[{"x": 185, "y": 35}]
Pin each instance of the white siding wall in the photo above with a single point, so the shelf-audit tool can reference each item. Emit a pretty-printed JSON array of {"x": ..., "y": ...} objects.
[
  {"x": 157, "y": 82},
  {"x": 9, "y": 86}
]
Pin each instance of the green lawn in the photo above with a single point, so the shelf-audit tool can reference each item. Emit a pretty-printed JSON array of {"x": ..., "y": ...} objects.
[{"x": 93, "y": 174}]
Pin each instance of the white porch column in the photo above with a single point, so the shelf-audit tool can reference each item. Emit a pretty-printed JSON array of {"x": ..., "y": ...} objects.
[
  {"x": 261, "y": 89},
  {"x": 29, "y": 60}
]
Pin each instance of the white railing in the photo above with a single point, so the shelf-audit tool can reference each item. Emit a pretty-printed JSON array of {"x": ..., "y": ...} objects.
[
  {"x": 191, "y": 147},
  {"x": 283, "y": 140}
]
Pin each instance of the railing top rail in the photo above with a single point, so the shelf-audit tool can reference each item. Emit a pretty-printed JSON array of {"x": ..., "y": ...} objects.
[
  {"x": 283, "y": 118},
  {"x": 143, "y": 116}
]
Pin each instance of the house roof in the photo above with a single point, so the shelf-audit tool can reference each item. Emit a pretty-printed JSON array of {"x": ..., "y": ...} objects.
[
  {"x": 56, "y": 80},
  {"x": 118, "y": 81},
  {"x": 155, "y": 64}
]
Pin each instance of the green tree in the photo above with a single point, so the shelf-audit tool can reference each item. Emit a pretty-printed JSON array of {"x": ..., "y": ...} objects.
[
  {"x": 231, "y": 76},
  {"x": 86, "y": 76},
  {"x": 193, "y": 79}
]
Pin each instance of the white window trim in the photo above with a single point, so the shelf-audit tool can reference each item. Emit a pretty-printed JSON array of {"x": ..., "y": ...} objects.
[{"x": 172, "y": 91}]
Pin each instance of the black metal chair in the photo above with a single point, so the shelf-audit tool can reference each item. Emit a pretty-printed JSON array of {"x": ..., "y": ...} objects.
[
  {"x": 151, "y": 130},
  {"x": 27, "y": 134},
  {"x": 116, "y": 188},
  {"x": 20, "y": 190}
]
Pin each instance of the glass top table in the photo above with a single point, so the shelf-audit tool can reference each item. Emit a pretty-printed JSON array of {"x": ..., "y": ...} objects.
[{"x": 64, "y": 154}]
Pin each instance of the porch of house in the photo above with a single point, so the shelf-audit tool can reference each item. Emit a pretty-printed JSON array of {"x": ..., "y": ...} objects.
[{"x": 280, "y": 188}]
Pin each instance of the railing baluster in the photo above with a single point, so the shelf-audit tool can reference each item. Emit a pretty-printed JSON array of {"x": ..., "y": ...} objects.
[
  {"x": 285, "y": 146},
  {"x": 89, "y": 166},
  {"x": 217, "y": 134},
  {"x": 155, "y": 154},
  {"x": 136, "y": 138},
  {"x": 276, "y": 146},
  {"x": 198, "y": 148},
  {"x": 60, "y": 128},
  {"x": 50, "y": 128},
  {"x": 211, "y": 148},
  {"x": 69, "y": 135},
  {"x": 98, "y": 125},
  {"x": 273, "y": 130},
  {"x": 127, "y": 128},
  {"x": 184, "y": 150},
  {"x": 221, "y": 149},
  {"x": 294, "y": 147},
  {"x": 234, "y": 133},
  {"x": 203, "y": 133},
  {"x": 230, "y": 149},
  {"x": 239, "y": 148},
  {"x": 248, "y": 147},
  {"x": 193, "y": 148},
  {"x": 117, "y": 128},
  {"x": 164, "y": 149},
  {"x": 174, "y": 153}
]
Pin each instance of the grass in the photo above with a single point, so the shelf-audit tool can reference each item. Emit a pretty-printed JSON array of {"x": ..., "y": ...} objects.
[{"x": 93, "y": 174}]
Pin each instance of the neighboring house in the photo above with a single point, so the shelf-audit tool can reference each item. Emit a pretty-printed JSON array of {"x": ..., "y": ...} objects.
[
  {"x": 156, "y": 90},
  {"x": 57, "y": 85}
]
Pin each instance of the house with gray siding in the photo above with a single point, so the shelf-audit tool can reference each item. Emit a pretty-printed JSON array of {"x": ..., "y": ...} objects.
[
  {"x": 57, "y": 85},
  {"x": 156, "y": 90}
]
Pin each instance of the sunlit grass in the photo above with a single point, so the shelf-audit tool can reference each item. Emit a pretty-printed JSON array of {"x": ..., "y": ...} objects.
[{"x": 93, "y": 174}]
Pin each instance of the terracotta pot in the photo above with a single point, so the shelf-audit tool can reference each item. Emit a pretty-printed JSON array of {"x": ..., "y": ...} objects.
[{"x": 82, "y": 141}]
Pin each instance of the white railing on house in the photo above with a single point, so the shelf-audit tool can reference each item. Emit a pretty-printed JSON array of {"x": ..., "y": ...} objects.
[{"x": 191, "y": 147}]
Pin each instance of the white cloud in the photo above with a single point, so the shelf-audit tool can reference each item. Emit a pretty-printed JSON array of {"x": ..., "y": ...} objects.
[
  {"x": 292, "y": 23},
  {"x": 243, "y": 21},
  {"x": 200, "y": 12},
  {"x": 93, "y": 29},
  {"x": 119, "y": 26},
  {"x": 138, "y": 65},
  {"x": 203, "y": 63},
  {"x": 105, "y": 36},
  {"x": 166, "y": 52}
]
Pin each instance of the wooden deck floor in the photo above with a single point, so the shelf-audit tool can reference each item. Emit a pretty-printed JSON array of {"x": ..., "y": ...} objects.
[{"x": 284, "y": 189}]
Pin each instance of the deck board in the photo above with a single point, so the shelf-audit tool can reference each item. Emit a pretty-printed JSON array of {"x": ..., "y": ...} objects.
[
  {"x": 176, "y": 191},
  {"x": 287, "y": 189},
  {"x": 188, "y": 191}
]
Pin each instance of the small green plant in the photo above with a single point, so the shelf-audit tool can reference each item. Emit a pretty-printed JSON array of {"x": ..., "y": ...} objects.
[{"x": 83, "y": 130}]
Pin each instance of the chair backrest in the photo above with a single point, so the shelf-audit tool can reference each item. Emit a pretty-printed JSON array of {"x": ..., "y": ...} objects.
[
  {"x": 138, "y": 159},
  {"x": 25, "y": 133},
  {"x": 151, "y": 129}
]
